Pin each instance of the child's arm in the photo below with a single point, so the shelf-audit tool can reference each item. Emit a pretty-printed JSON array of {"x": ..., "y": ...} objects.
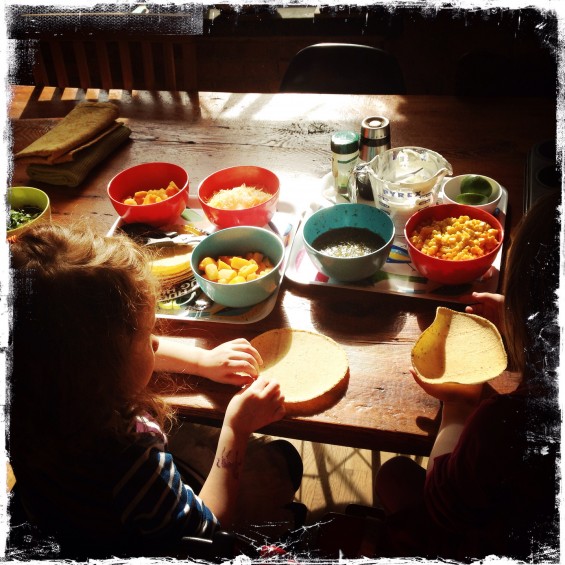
[
  {"x": 256, "y": 406},
  {"x": 221, "y": 364},
  {"x": 459, "y": 402}
]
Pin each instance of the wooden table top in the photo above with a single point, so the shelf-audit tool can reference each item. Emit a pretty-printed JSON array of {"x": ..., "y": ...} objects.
[{"x": 383, "y": 409}]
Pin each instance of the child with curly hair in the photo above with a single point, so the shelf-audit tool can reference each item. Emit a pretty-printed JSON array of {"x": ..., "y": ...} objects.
[{"x": 86, "y": 435}]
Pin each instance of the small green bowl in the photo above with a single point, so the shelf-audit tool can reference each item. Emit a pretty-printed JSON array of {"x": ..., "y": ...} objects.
[{"x": 20, "y": 196}]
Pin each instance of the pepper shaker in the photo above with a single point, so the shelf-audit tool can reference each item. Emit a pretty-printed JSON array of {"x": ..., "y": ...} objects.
[
  {"x": 375, "y": 139},
  {"x": 345, "y": 153}
]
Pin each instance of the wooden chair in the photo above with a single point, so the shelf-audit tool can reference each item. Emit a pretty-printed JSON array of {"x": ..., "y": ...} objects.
[
  {"x": 343, "y": 68},
  {"x": 106, "y": 62}
]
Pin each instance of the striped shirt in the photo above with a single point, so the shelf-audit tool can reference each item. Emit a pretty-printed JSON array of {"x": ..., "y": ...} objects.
[
  {"x": 120, "y": 497},
  {"x": 152, "y": 499}
]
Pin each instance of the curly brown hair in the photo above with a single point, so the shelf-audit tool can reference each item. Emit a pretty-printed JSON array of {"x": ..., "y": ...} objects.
[
  {"x": 530, "y": 289},
  {"x": 77, "y": 301}
]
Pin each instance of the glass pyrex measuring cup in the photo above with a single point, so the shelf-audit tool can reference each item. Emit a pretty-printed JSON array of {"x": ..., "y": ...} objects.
[{"x": 406, "y": 179}]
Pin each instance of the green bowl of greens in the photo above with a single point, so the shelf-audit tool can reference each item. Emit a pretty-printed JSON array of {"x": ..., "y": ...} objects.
[{"x": 27, "y": 206}]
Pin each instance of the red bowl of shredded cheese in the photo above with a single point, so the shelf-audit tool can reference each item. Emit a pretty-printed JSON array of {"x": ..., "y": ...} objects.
[{"x": 240, "y": 196}]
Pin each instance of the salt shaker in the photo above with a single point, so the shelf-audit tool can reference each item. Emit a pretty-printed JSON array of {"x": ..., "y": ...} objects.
[
  {"x": 345, "y": 153},
  {"x": 375, "y": 139}
]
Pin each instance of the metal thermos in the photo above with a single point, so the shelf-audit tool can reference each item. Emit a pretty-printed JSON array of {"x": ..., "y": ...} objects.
[
  {"x": 374, "y": 140},
  {"x": 375, "y": 137}
]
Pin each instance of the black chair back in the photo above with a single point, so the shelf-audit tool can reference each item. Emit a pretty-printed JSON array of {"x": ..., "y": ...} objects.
[{"x": 343, "y": 68}]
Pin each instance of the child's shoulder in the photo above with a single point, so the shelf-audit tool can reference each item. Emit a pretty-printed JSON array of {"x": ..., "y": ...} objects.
[
  {"x": 146, "y": 435},
  {"x": 146, "y": 425},
  {"x": 138, "y": 449}
]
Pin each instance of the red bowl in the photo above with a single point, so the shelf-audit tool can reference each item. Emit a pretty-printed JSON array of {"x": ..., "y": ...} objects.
[
  {"x": 442, "y": 270},
  {"x": 148, "y": 176},
  {"x": 230, "y": 178}
]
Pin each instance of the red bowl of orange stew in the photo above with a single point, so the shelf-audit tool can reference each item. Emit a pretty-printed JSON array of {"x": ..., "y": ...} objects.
[{"x": 151, "y": 193}]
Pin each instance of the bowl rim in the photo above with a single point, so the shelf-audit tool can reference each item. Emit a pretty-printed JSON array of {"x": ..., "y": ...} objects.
[
  {"x": 273, "y": 194},
  {"x": 32, "y": 188},
  {"x": 473, "y": 209},
  {"x": 140, "y": 165},
  {"x": 276, "y": 267},
  {"x": 379, "y": 250}
]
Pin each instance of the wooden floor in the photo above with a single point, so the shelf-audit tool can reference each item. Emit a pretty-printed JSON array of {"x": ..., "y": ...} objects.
[{"x": 335, "y": 476}]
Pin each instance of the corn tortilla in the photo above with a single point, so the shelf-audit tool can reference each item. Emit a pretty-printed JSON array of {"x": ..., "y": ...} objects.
[
  {"x": 312, "y": 369},
  {"x": 171, "y": 261},
  {"x": 459, "y": 348}
]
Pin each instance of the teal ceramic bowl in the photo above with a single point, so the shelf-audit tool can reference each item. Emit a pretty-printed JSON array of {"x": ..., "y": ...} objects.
[
  {"x": 239, "y": 241},
  {"x": 349, "y": 269}
]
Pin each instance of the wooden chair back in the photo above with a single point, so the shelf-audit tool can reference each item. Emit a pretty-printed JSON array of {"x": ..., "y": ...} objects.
[{"x": 148, "y": 63}]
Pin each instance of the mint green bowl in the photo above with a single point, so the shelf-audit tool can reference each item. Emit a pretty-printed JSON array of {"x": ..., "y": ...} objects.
[
  {"x": 349, "y": 269},
  {"x": 239, "y": 241}
]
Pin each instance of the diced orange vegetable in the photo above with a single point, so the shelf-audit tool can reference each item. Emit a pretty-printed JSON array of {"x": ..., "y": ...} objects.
[
  {"x": 247, "y": 270},
  {"x": 227, "y": 274},
  {"x": 172, "y": 189},
  {"x": 238, "y": 262},
  {"x": 152, "y": 196},
  {"x": 234, "y": 269},
  {"x": 204, "y": 262},
  {"x": 211, "y": 271}
]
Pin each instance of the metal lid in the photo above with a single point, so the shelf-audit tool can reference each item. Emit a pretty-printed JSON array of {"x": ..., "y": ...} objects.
[
  {"x": 344, "y": 142},
  {"x": 375, "y": 127}
]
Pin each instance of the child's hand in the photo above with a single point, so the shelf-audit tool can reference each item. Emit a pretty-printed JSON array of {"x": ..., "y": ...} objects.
[
  {"x": 452, "y": 393},
  {"x": 489, "y": 306},
  {"x": 257, "y": 405},
  {"x": 222, "y": 363}
]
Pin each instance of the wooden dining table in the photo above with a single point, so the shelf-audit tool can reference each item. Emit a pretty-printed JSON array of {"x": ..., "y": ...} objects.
[{"x": 383, "y": 408}]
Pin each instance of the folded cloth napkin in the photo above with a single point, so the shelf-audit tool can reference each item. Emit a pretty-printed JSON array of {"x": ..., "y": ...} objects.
[
  {"x": 73, "y": 172},
  {"x": 81, "y": 127}
]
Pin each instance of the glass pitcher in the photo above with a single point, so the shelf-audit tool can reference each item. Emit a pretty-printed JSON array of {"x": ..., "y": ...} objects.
[{"x": 406, "y": 179}]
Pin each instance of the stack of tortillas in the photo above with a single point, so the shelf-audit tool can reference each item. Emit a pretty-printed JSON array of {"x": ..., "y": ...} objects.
[
  {"x": 459, "y": 348},
  {"x": 171, "y": 265},
  {"x": 312, "y": 369}
]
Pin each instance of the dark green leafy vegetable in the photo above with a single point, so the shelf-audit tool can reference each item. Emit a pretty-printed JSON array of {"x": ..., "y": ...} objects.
[{"x": 20, "y": 216}]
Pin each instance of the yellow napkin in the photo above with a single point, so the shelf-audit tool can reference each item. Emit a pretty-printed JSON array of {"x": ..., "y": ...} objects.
[
  {"x": 86, "y": 124},
  {"x": 72, "y": 173}
]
